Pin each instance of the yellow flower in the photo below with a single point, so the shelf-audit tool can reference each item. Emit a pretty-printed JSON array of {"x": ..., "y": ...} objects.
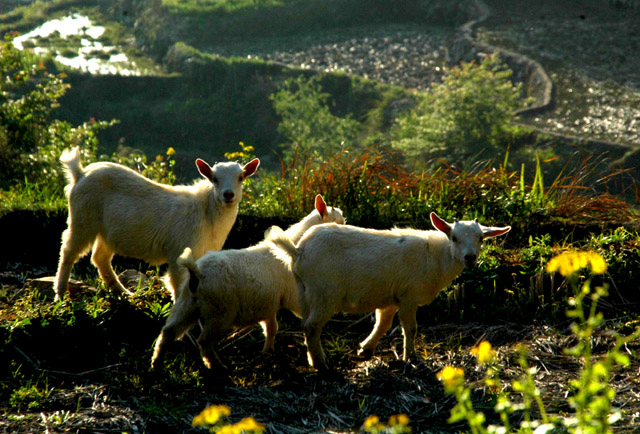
[
  {"x": 249, "y": 424},
  {"x": 371, "y": 422},
  {"x": 569, "y": 263},
  {"x": 451, "y": 377},
  {"x": 399, "y": 419},
  {"x": 484, "y": 352},
  {"x": 170, "y": 151},
  {"x": 211, "y": 415}
]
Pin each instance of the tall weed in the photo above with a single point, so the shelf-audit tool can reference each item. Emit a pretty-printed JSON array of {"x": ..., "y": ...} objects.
[{"x": 591, "y": 398}]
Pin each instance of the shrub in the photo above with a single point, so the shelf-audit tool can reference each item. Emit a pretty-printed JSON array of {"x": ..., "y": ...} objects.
[
  {"x": 470, "y": 113},
  {"x": 375, "y": 189},
  {"x": 307, "y": 124},
  {"x": 30, "y": 141}
]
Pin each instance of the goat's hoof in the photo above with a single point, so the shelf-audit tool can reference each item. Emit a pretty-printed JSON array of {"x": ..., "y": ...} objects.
[{"x": 365, "y": 353}]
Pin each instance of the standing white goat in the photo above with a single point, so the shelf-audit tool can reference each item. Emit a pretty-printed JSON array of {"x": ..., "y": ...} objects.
[
  {"x": 356, "y": 270},
  {"x": 235, "y": 288},
  {"x": 116, "y": 210}
]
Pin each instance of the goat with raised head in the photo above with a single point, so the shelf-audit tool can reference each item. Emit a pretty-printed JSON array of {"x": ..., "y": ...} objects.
[{"x": 115, "y": 210}]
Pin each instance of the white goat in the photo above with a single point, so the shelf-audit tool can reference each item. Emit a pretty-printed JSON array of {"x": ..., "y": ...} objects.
[
  {"x": 235, "y": 288},
  {"x": 355, "y": 270},
  {"x": 117, "y": 210}
]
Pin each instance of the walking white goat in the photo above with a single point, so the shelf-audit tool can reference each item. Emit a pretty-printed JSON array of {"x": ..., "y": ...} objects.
[
  {"x": 116, "y": 210},
  {"x": 356, "y": 270},
  {"x": 235, "y": 288}
]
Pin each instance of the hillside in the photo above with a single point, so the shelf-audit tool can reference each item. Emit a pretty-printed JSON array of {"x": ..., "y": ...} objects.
[{"x": 409, "y": 49}]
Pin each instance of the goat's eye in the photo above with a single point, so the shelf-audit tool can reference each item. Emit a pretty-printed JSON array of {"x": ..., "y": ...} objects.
[
  {"x": 214, "y": 179},
  {"x": 240, "y": 178},
  {"x": 454, "y": 239}
]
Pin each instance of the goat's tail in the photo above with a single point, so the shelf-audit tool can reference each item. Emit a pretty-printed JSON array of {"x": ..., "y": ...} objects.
[
  {"x": 278, "y": 237},
  {"x": 72, "y": 166},
  {"x": 187, "y": 261}
]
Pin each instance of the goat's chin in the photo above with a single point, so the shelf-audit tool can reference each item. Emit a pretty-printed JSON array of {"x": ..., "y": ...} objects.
[{"x": 228, "y": 203}]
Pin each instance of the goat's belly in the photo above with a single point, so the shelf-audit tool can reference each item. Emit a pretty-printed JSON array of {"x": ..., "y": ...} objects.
[
  {"x": 149, "y": 255},
  {"x": 365, "y": 304}
]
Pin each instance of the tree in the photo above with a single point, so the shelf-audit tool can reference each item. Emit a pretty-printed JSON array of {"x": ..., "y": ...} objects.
[
  {"x": 30, "y": 140},
  {"x": 307, "y": 123},
  {"x": 469, "y": 113}
]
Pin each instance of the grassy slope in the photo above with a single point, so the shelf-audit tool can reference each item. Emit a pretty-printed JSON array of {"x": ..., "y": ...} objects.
[{"x": 207, "y": 110}]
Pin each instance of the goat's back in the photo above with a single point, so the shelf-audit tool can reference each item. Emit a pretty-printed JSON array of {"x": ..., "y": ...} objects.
[
  {"x": 135, "y": 214},
  {"x": 257, "y": 281},
  {"x": 358, "y": 270}
]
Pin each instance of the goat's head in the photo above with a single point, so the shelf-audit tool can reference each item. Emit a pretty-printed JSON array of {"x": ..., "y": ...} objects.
[
  {"x": 227, "y": 179},
  {"x": 466, "y": 237},
  {"x": 329, "y": 214}
]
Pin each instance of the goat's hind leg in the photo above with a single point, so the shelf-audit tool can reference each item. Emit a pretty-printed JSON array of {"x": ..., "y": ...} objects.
[
  {"x": 384, "y": 319},
  {"x": 74, "y": 245},
  {"x": 207, "y": 341},
  {"x": 101, "y": 257},
  {"x": 183, "y": 316},
  {"x": 315, "y": 353},
  {"x": 407, "y": 316}
]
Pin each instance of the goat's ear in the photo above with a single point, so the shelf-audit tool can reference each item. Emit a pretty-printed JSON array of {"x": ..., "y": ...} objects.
[
  {"x": 204, "y": 168},
  {"x": 321, "y": 206},
  {"x": 490, "y": 232},
  {"x": 250, "y": 168},
  {"x": 440, "y": 224}
]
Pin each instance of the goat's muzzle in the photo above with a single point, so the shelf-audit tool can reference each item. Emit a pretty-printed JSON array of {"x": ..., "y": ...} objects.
[{"x": 470, "y": 260}]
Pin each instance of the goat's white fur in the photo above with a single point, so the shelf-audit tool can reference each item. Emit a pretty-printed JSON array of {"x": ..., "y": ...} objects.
[
  {"x": 113, "y": 209},
  {"x": 356, "y": 270},
  {"x": 238, "y": 288}
]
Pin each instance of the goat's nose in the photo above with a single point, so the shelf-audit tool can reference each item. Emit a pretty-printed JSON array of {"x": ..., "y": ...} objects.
[
  {"x": 470, "y": 258},
  {"x": 228, "y": 195}
]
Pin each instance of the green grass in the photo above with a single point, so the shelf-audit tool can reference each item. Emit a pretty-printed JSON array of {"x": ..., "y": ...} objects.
[
  {"x": 252, "y": 19},
  {"x": 32, "y": 196},
  {"x": 222, "y": 7}
]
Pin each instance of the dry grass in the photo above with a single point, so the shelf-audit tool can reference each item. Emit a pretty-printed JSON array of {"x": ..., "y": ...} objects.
[{"x": 376, "y": 189}]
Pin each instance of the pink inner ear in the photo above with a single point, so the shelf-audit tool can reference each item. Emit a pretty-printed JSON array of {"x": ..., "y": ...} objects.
[
  {"x": 250, "y": 168},
  {"x": 495, "y": 232},
  {"x": 321, "y": 205},
  {"x": 440, "y": 224},
  {"x": 204, "y": 168}
]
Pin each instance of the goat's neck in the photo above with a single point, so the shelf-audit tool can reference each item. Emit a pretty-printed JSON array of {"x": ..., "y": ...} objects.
[
  {"x": 217, "y": 225},
  {"x": 450, "y": 267},
  {"x": 295, "y": 232}
]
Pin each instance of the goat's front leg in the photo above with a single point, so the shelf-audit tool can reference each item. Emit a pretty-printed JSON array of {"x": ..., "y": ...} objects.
[
  {"x": 407, "y": 316},
  {"x": 270, "y": 329}
]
